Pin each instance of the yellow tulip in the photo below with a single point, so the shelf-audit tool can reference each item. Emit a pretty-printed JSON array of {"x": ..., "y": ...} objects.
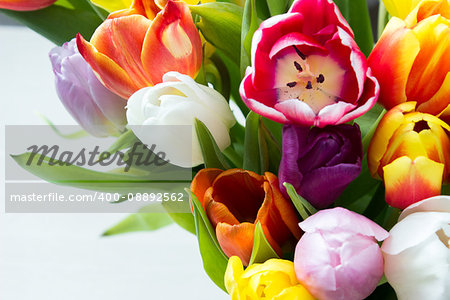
[
  {"x": 274, "y": 279},
  {"x": 400, "y": 8},
  {"x": 114, "y": 5}
]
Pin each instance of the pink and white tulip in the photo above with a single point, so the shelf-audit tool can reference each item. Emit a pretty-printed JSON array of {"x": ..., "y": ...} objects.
[
  {"x": 417, "y": 253},
  {"x": 338, "y": 256},
  {"x": 307, "y": 69}
]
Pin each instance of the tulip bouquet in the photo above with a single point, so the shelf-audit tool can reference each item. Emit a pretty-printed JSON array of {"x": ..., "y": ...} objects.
[{"x": 320, "y": 158}]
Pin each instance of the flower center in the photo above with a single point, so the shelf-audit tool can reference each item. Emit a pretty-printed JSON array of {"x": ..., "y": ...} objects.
[{"x": 313, "y": 79}]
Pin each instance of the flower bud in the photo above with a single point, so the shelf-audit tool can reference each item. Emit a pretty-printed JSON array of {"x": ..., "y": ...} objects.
[
  {"x": 99, "y": 111},
  {"x": 179, "y": 100}
]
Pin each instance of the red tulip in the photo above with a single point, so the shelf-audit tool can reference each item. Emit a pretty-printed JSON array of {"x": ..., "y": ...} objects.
[{"x": 130, "y": 51}]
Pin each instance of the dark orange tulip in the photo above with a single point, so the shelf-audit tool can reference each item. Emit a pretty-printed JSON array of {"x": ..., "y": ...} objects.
[
  {"x": 135, "y": 47},
  {"x": 236, "y": 200},
  {"x": 23, "y": 5}
]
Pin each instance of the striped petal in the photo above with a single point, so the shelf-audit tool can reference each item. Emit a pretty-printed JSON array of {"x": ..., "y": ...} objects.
[{"x": 172, "y": 43}]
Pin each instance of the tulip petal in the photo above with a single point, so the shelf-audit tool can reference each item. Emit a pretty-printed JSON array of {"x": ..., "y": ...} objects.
[
  {"x": 234, "y": 271},
  {"x": 433, "y": 204},
  {"x": 348, "y": 221},
  {"x": 111, "y": 63},
  {"x": 409, "y": 181},
  {"x": 297, "y": 112},
  {"x": 202, "y": 181},
  {"x": 271, "y": 29},
  {"x": 172, "y": 43},
  {"x": 397, "y": 44},
  {"x": 241, "y": 192},
  {"x": 426, "y": 77},
  {"x": 386, "y": 128},
  {"x": 367, "y": 100},
  {"x": 314, "y": 182},
  {"x": 412, "y": 230},
  {"x": 321, "y": 13},
  {"x": 439, "y": 102},
  {"x": 217, "y": 212},
  {"x": 236, "y": 240},
  {"x": 266, "y": 99}
]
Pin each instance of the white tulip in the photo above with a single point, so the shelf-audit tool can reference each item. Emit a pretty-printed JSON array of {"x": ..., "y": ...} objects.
[
  {"x": 417, "y": 253},
  {"x": 179, "y": 100}
]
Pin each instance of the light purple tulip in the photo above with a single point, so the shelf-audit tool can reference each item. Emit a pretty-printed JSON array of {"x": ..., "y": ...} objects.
[
  {"x": 338, "y": 256},
  {"x": 99, "y": 111}
]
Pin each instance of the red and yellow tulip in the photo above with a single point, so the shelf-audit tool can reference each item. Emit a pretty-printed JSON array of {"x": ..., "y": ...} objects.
[
  {"x": 400, "y": 8},
  {"x": 410, "y": 151},
  {"x": 236, "y": 200},
  {"x": 135, "y": 47},
  {"x": 411, "y": 61},
  {"x": 24, "y": 5}
]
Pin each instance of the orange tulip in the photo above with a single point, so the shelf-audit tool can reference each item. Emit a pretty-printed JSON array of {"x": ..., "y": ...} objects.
[
  {"x": 131, "y": 50},
  {"x": 410, "y": 151},
  {"x": 236, "y": 200},
  {"x": 411, "y": 61},
  {"x": 23, "y": 5}
]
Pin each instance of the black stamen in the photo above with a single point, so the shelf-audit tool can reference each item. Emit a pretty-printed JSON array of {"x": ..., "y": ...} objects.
[
  {"x": 299, "y": 53},
  {"x": 291, "y": 84},
  {"x": 320, "y": 79},
  {"x": 298, "y": 67},
  {"x": 309, "y": 85}
]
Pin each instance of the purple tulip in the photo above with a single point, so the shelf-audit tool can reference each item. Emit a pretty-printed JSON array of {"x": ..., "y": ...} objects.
[
  {"x": 99, "y": 111},
  {"x": 320, "y": 162},
  {"x": 338, "y": 257}
]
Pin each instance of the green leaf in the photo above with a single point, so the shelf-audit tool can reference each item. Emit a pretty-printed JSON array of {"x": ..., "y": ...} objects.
[
  {"x": 250, "y": 24},
  {"x": 214, "y": 260},
  {"x": 61, "y": 21},
  {"x": 70, "y": 175},
  {"x": 184, "y": 220},
  {"x": 262, "y": 250},
  {"x": 212, "y": 155},
  {"x": 252, "y": 151},
  {"x": 377, "y": 204},
  {"x": 140, "y": 222},
  {"x": 277, "y": 7},
  {"x": 383, "y": 18},
  {"x": 126, "y": 140},
  {"x": 356, "y": 13},
  {"x": 359, "y": 190},
  {"x": 446, "y": 189},
  {"x": 220, "y": 24},
  {"x": 75, "y": 135},
  {"x": 304, "y": 208},
  {"x": 273, "y": 148}
]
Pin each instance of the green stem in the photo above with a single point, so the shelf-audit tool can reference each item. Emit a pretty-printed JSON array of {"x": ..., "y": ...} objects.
[{"x": 383, "y": 18}]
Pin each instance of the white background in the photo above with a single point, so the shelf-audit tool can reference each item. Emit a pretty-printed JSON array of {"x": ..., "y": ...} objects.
[{"x": 63, "y": 256}]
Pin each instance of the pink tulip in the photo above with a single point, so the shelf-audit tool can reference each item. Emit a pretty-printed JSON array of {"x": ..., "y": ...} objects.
[
  {"x": 307, "y": 69},
  {"x": 338, "y": 256}
]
